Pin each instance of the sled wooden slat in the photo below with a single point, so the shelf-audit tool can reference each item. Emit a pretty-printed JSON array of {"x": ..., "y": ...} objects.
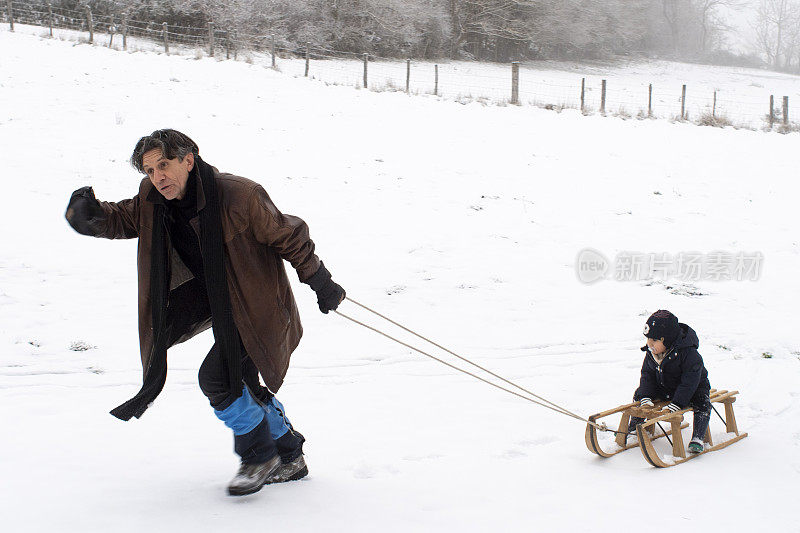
[
  {"x": 623, "y": 426},
  {"x": 647, "y": 412},
  {"x": 678, "y": 449},
  {"x": 727, "y": 394},
  {"x": 617, "y": 410},
  {"x": 730, "y": 418}
]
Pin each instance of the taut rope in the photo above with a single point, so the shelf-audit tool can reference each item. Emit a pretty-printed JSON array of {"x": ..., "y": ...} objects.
[{"x": 531, "y": 396}]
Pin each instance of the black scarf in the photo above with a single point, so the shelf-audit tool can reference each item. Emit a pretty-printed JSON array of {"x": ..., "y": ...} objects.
[{"x": 223, "y": 326}]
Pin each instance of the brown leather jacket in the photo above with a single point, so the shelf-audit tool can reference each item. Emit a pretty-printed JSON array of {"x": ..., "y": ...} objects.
[{"x": 258, "y": 237}]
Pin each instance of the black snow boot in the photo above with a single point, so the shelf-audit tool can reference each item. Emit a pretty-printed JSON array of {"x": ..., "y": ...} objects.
[
  {"x": 702, "y": 416},
  {"x": 260, "y": 460},
  {"x": 291, "y": 471},
  {"x": 251, "y": 477},
  {"x": 293, "y": 465}
]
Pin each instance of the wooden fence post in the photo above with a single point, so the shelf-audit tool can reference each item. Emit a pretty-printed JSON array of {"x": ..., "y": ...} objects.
[
  {"x": 308, "y": 57},
  {"x": 10, "y": 14},
  {"x": 124, "y": 30},
  {"x": 366, "y": 62},
  {"x": 210, "y": 39},
  {"x": 166, "y": 39},
  {"x": 683, "y": 103},
  {"x": 233, "y": 49},
  {"x": 408, "y": 75},
  {"x": 603, "y": 97},
  {"x": 785, "y": 110},
  {"x": 436, "y": 80},
  {"x": 650, "y": 100},
  {"x": 90, "y": 22},
  {"x": 583, "y": 94},
  {"x": 111, "y": 30},
  {"x": 771, "y": 110},
  {"x": 515, "y": 82},
  {"x": 714, "y": 109},
  {"x": 50, "y": 17},
  {"x": 272, "y": 48}
]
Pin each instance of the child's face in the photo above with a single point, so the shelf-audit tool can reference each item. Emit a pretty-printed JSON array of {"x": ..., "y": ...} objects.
[{"x": 656, "y": 346}]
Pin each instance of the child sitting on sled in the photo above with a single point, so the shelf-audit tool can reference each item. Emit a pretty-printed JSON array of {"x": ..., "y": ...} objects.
[{"x": 673, "y": 370}]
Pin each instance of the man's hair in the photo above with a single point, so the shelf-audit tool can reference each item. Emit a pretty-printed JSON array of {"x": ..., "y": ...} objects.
[{"x": 172, "y": 144}]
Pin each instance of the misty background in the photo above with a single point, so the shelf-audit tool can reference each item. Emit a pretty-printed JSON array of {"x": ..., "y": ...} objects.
[{"x": 755, "y": 33}]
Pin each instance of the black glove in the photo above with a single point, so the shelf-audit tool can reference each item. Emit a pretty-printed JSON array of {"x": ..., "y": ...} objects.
[
  {"x": 84, "y": 213},
  {"x": 329, "y": 294}
]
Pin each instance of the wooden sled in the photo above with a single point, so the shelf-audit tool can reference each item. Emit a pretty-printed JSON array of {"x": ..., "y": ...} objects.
[{"x": 650, "y": 430}]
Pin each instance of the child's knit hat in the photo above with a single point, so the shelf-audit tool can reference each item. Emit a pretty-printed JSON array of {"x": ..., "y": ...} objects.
[{"x": 662, "y": 324}]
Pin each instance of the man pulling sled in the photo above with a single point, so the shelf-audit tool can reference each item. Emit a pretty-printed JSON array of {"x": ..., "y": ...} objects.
[{"x": 211, "y": 251}]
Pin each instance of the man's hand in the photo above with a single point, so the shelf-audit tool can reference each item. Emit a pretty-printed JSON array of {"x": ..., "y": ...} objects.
[
  {"x": 329, "y": 293},
  {"x": 84, "y": 213}
]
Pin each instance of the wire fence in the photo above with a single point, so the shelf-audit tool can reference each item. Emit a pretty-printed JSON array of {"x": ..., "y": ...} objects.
[{"x": 750, "y": 106}]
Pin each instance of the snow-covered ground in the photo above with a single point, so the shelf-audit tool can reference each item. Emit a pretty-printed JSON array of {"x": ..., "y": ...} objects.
[
  {"x": 742, "y": 94},
  {"x": 461, "y": 221}
]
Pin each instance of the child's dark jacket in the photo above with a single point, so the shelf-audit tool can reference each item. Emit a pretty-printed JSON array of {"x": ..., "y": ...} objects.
[{"x": 680, "y": 378}]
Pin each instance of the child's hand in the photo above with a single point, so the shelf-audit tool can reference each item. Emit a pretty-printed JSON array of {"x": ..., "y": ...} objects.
[
  {"x": 646, "y": 402},
  {"x": 672, "y": 408}
]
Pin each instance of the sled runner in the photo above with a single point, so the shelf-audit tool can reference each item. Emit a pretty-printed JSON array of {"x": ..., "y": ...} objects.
[{"x": 652, "y": 429}]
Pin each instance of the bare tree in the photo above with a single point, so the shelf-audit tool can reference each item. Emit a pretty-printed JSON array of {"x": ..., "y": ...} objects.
[
  {"x": 791, "y": 50},
  {"x": 776, "y": 30},
  {"x": 589, "y": 28},
  {"x": 671, "y": 9},
  {"x": 710, "y": 21},
  {"x": 496, "y": 27}
]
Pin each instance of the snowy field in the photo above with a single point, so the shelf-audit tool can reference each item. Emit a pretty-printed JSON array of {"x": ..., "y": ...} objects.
[
  {"x": 461, "y": 221},
  {"x": 742, "y": 94}
]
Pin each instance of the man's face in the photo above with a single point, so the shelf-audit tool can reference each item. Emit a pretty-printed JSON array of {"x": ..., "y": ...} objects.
[{"x": 168, "y": 176}]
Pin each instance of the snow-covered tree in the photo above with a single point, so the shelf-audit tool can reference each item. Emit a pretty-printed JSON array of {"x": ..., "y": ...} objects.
[{"x": 777, "y": 26}]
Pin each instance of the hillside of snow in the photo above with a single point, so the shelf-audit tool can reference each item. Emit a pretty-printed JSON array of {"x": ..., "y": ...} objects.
[
  {"x": 736, "y": 95},
  {"x": 461, "y": 221}
]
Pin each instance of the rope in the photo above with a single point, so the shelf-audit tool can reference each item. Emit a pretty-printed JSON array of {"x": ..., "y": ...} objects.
[
  {"x": 544, "y": 402},
  {"x": 476, "y": 365},
  {"x": 665, "y": 433},
  {"x": 719, "y": 415}
]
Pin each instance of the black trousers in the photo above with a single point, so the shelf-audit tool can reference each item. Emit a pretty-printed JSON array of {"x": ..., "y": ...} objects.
[
  {"x": 189, "y": 308},
  {"x": 213, "y": 378}
]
